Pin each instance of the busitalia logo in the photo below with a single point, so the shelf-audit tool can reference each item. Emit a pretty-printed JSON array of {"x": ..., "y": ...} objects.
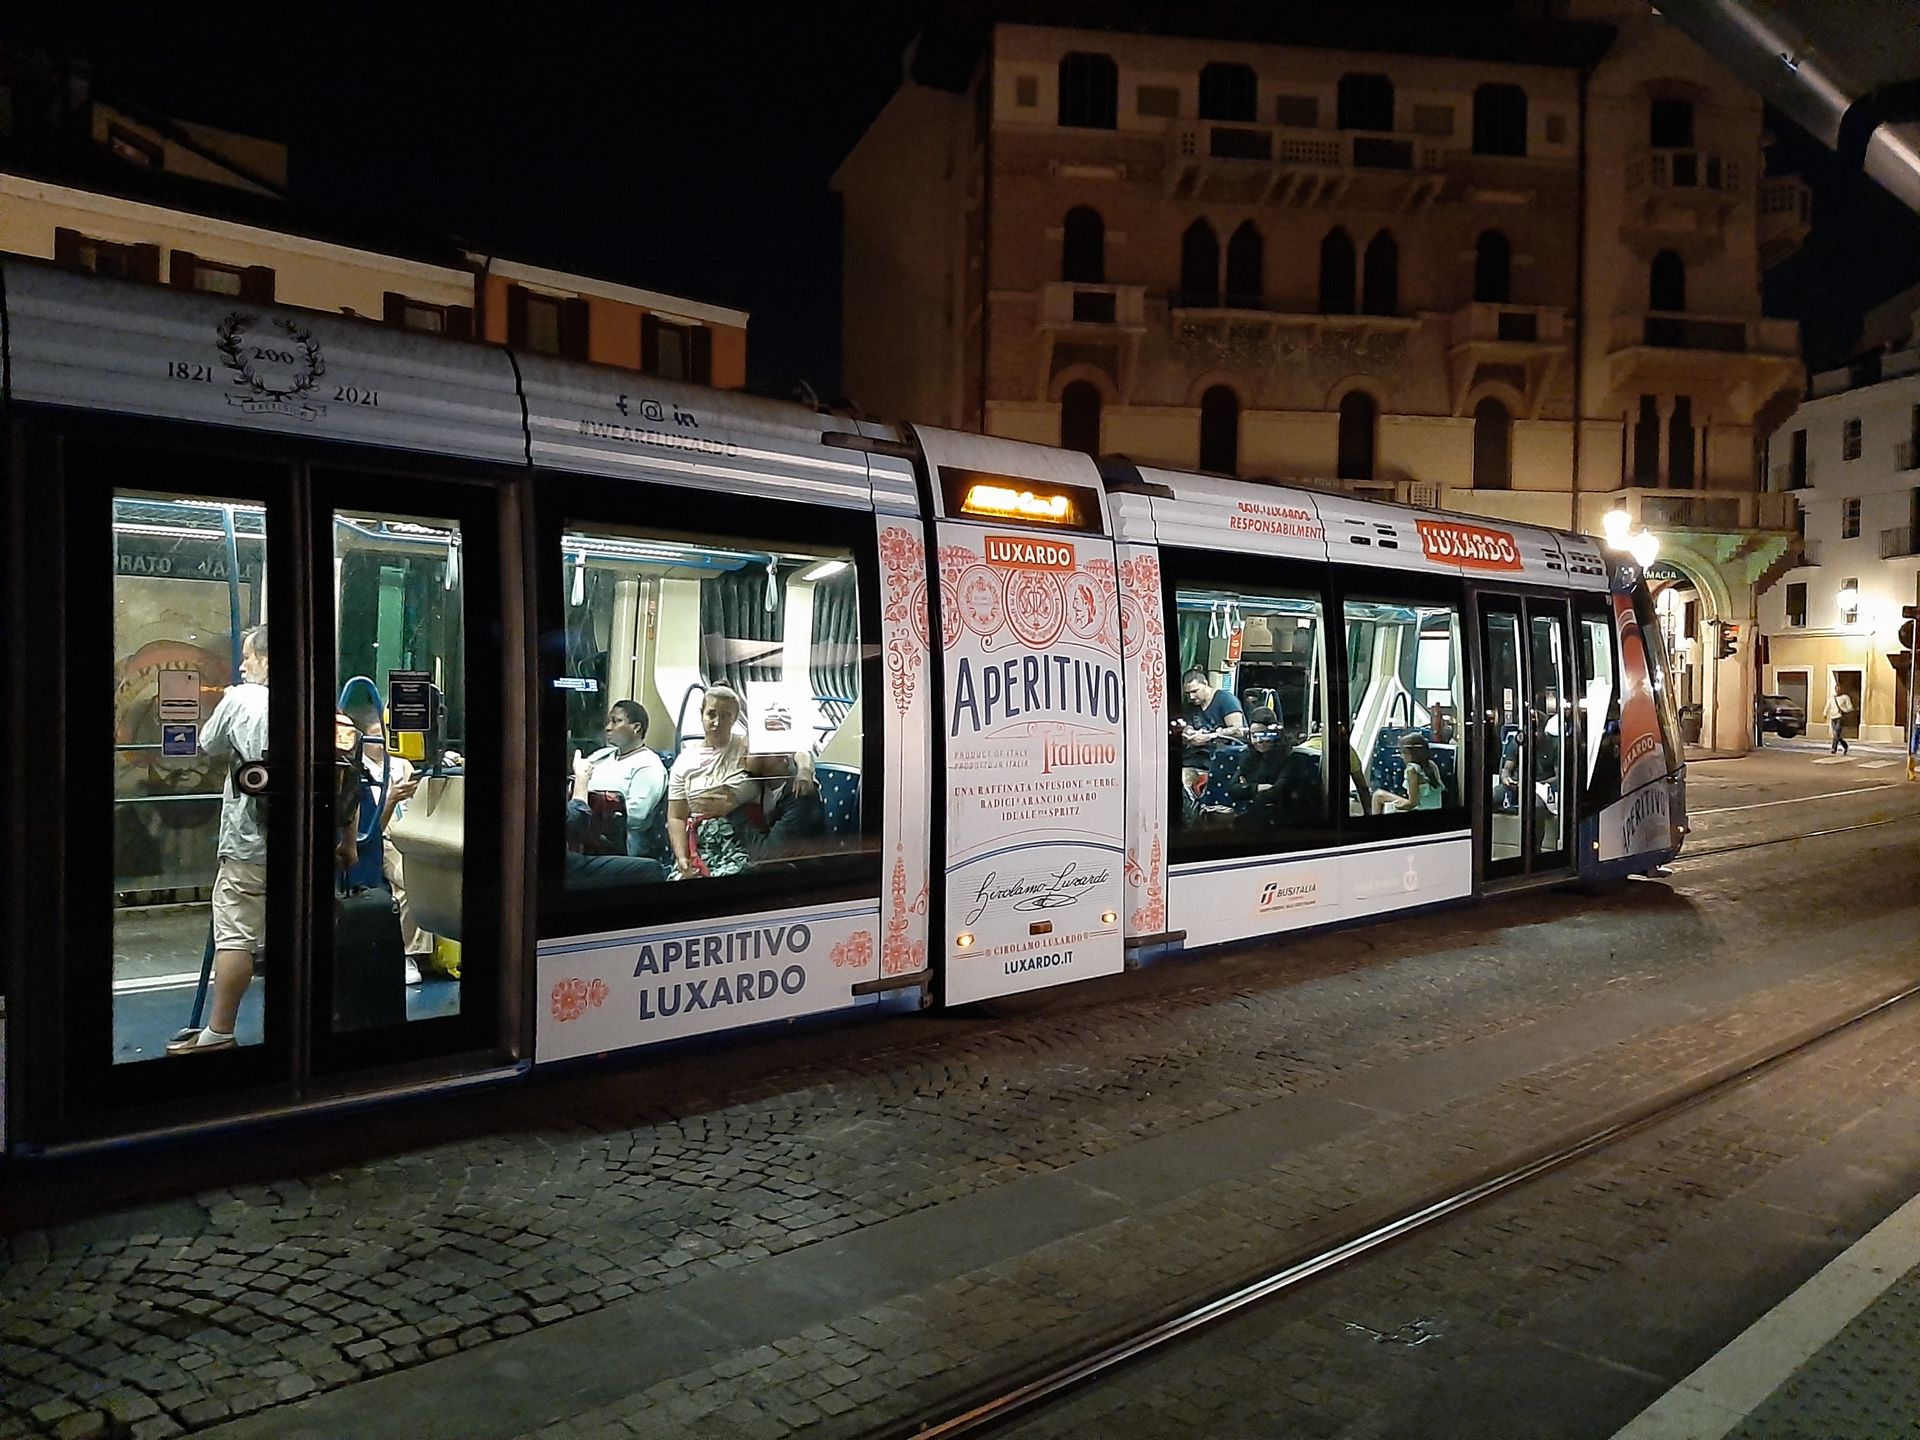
[
  {"x": 1018, "y": 552},
  {"x": 1474, "y": 546}
]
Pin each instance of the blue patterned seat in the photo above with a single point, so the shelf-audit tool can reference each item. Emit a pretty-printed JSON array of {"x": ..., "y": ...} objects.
[
  {"x": 840, "y": 794},
  {"x": 1223, "y": 763}
]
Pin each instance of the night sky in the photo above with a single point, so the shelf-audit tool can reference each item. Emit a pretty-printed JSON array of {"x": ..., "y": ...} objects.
[{"x": 683, "y": 147}]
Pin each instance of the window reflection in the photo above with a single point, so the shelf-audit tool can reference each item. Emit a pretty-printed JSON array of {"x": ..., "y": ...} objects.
[
  {"x": 713, "y": 708},
  {"x": 190, "y": 856}
]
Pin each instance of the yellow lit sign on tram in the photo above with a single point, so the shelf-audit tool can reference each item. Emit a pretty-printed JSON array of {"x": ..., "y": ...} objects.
[{"x": 1004, "y": 501}]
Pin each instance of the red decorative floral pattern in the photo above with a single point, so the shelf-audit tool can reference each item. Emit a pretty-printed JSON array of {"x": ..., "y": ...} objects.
[
  {"x": 855, "y": 952},
  {"x": 904, "y": 610},
  {"x": 1141, "y": 576},
  {"x": 903, "y": 954},
  {"x": 1151, "y": 917},
  {"x": 573, "y": 998}
]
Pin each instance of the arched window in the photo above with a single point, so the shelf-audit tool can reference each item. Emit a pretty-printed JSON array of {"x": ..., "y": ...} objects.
[
  {"x": 1244, "y": 283},
  {"x": 1492, "y": 268},
  {"x": 1220, "y": 431},
  {"x": 1228, "y": 92},
  {"x": 1380, "y": 278},
  {"x": 1492, "y": 446},
  {"x": 1080, "y": 417},
  {"x": 1365, "y": 102},
  {"x": 1200, "y": 265},
  {"x": 1667, "y": 283},
  {"x": 1089, "y": 91},
  {"x": 1336, "y": 273},
  {"x": 1083, "y": 249},
  {"x": 1359, "y": 417},
  {"x": 1500, "y": 120}
]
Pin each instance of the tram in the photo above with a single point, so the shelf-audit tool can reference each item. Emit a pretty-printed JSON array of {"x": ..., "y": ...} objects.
[{"x": 388, "y": 713}]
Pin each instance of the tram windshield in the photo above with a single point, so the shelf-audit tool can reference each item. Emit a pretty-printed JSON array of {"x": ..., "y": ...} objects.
[{"x": 714, "y": 727}]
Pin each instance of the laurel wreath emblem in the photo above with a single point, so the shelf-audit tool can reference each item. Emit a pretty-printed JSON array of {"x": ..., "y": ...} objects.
[{"x": 230, "y": 333}]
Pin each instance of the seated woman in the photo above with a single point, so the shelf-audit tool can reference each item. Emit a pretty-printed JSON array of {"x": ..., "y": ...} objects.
[
  {"x": 715, "y": 784},
  {"x": 1425, "y": 790},
  {"x": 1252, "y": 787},
  {"x": 627, "y": 768}
]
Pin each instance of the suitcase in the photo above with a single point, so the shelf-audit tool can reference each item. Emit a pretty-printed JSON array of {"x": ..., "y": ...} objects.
[{"x": 369, "y": 962}]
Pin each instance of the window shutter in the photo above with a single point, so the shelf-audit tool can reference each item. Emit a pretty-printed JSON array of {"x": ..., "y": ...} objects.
[
  {"x": 66, "y": 247},
  {"x": 393, "y": 308},
  {"x": 180, "y": 265},
  {"x": 460, "y": 321},
  {"x": 702, "y": 356},
  {"x": 256, "y": 284},
  {"x": 650, "y": 344},
  {"x": 144, "y": 265},
  {"x": 573, "y": 327},
  {"x": 516, "y": 315}
]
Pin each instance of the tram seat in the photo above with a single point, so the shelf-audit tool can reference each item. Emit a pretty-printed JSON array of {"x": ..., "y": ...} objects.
[
  {"x": 1387, "y": 771},
  {"x": 1223, "y": 763},
  {"x": 840, "y": 794},
  {"x": 431, "y": 838}
]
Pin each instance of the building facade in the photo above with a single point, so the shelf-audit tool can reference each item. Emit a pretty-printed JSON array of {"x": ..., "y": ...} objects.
[
  {"x": 1511, "y": 271},
  {"x": 120, "y": 192},
  {"x": 1850, "y": 457}
]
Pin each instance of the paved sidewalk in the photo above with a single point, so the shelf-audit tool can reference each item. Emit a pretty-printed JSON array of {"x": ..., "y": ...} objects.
[{"x": 1838, "y": 1357}]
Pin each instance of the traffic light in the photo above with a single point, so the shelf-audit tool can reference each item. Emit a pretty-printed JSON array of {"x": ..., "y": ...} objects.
[{"x": 1729, "y": 641}]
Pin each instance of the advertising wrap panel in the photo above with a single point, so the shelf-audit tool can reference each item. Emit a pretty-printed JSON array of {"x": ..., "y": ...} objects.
[
  {"x": 1640, "y": 821},
  {"x": 1034, "y": 738},
  {"x": 638, "y": 987}
]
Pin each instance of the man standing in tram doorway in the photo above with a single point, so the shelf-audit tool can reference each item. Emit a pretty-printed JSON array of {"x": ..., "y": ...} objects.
[
  {"x": 238, "y": 729},
  {"x": 1839, "y": 706}
]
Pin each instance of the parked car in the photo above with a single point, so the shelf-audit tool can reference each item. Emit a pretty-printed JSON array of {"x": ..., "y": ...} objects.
[{"x": 1784, "y": 717}]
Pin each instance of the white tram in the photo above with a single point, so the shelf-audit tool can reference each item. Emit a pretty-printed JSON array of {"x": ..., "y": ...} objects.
[{"x": 1006, "y": 717}]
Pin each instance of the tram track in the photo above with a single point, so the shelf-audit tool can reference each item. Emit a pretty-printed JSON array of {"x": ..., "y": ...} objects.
[
  {"x": 991, "y": 1409},
  {"x": 1692, "y": 855}
]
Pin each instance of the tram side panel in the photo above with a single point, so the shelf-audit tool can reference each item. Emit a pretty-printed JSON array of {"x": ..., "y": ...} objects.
[
  {"x": 732, "y": 489},
  {"x": 1149, "y": 697},
  {"x": 1034, "y": 730}
]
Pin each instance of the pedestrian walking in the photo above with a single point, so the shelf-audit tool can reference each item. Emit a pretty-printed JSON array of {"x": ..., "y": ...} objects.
[{"x": 1839, "y": 707}]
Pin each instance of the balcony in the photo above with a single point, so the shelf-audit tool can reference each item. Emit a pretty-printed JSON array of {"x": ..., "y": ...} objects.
[
  {"x": 1680, "y": 200},
  {"x": 1068, "y": 304},
  {"x": 1239, "y": 162},
  {"x": 1718, "y": 510},
  {"x": 1785, "y": 217},
  {"x": 1098, "y": 325},
  {"x": 1523, "y": 345},
  {"x": 1747, "y": 359},
  {"x": 1787, "y": 478},
  {"x": 1899, "y": 541}
]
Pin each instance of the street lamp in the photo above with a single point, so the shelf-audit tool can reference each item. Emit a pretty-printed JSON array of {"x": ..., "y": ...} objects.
[{"x": 1849, "y": 602}]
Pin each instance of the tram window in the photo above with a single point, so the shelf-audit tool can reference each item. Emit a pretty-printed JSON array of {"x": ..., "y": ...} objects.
[
  {"x": 714, "y": 724},
  {"x": 1404, "y": 693},
  {"x": 1248, "y": 743},
  {"x": 400, "y": 825},
  {"x": 1600, "y": 712},
  {"x": 190, "y": 704}
]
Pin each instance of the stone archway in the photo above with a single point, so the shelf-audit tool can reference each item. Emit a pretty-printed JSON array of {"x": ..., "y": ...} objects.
[{"x": 1688, "y": 578}]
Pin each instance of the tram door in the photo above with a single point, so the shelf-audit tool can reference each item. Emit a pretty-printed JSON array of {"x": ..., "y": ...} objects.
[
  {"x": 1526, "y": 729},
  {"x": 284, "y": 700}
]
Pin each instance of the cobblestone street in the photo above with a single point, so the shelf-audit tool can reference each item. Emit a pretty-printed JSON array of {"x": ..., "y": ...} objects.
[{"x": 845, "y": 1228}]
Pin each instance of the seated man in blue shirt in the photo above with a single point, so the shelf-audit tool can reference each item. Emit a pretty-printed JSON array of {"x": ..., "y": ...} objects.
[{"x": 1213, "y": 713}]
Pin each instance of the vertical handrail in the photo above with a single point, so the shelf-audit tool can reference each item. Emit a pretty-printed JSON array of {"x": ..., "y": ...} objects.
[{"x": 233, "y": 590}]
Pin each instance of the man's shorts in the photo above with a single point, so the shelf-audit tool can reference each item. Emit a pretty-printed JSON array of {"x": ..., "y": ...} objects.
[{"x": 239, "y": 906}]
